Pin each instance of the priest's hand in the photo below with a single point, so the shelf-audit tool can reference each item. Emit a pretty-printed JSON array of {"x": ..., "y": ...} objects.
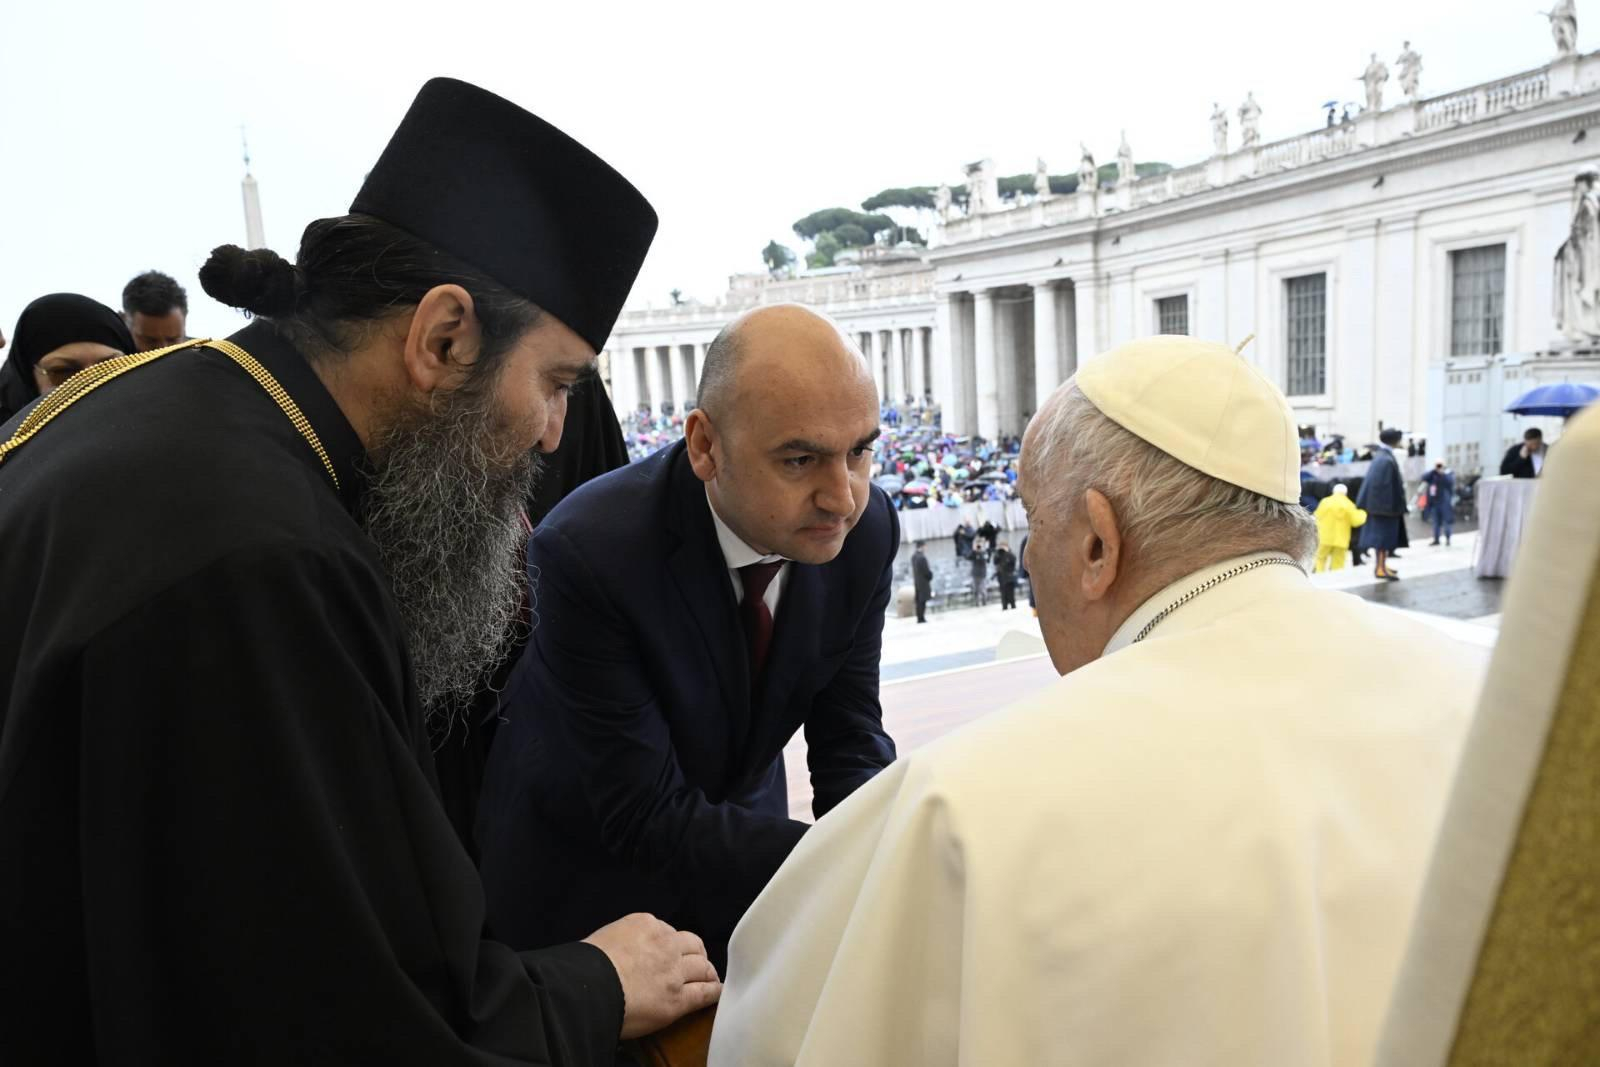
[{"x": 665, "y": 973}]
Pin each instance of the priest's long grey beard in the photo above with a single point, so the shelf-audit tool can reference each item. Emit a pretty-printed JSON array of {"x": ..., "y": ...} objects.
[{"x": 443, "y": 510}]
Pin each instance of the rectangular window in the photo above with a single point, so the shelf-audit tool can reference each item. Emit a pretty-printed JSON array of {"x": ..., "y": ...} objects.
[
  {"x": 1477, "y": 300},
  {"x": 1305, "y": 301},
  {"x": 1172, "y": 315}
]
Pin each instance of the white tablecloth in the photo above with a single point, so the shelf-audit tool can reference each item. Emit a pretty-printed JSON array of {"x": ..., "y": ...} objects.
[
  {"x": 1503, "y": 508},
  {"x": 930, "y": 524}
]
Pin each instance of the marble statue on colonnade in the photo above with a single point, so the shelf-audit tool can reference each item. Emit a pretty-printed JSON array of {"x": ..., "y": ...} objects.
[
  {"x": 1564, "y": 26},
  {"x": 983, "y": 192},
  {"x": 1373, "y": 78},
  {"x": 1088, "y": 174},
  {"x": 1250, "y": 121},
  {"x": 1041, "y": 180},
  {"x": 942, "y": 201},
  {"x": 1219, "y": 129},
  {"x": 1577, "y": 289},
  {"x": 1410, "y": 66},
  {"x": 1125, "y": 172}
]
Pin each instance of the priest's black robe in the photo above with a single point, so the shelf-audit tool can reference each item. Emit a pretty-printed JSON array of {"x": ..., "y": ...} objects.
[{"x": 220, "y": 836}]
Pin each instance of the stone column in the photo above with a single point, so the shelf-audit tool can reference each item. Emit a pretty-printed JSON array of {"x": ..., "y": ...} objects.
[
  {"x": 691, "y": 380},
  {"x": 987, "y": 370},
  {"x": 1009, "y": 353},
  {"x": 700, "y": 351},
  {"x": 1046, "y": 350},
  {"x": 919, "y": 362},
  {"x": 652, "y": 376},
  {"x": 1067, "y": 331},
  {"x": 1086, "y": 307},
  {"x": 869, "y": 348},
  {"x": 680, "y": 387},
  {"x": 624, "y": 392},
  {"x": 897, "y": 367},
  {"x": 949, "y": 387}
]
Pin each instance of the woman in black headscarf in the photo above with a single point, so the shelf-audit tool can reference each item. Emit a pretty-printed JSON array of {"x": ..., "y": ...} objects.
[{"x": 56, "y": 337}]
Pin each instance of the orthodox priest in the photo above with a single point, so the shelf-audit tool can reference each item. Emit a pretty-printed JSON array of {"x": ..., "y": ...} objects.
[
  {"x": 238, "y": 578},
  {"x": 1178, "y": 853}
]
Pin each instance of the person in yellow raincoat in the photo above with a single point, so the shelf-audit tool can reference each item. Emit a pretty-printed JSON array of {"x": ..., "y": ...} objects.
[{"x": 1336, "y": 517}]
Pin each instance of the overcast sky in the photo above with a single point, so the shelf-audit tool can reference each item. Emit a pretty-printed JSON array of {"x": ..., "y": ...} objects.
[{"x": 119, "y": 122}]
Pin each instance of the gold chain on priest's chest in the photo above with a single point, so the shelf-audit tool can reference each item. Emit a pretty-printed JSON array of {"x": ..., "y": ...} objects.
[{"x": 89, "y": 379}]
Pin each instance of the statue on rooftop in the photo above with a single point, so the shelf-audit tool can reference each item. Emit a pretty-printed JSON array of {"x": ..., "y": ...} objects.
[
  {"x": 1250, "y": 121},
  {"x": 1374, "y": 77},
  {"x": 1041, "y": 180},
  {"x": 1410, "y": 66},
  {"x": 1564, "y": 26},
  {"x": 1219, "y": 129}
]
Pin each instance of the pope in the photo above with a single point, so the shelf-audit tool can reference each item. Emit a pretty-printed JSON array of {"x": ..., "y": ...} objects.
[{"x": 1178, "y": 853}]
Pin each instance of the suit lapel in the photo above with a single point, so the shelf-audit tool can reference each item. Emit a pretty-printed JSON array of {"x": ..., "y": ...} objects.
[{"x": 701, "y": 575}]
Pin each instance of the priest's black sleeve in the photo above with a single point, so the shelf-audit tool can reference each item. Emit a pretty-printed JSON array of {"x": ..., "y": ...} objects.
[
  {"x": 268, "y": 876},
  {"x": 846, "y": 743}
]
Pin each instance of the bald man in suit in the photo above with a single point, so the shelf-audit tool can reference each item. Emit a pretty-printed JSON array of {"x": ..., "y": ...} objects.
[{"x": 693, "y": 612}]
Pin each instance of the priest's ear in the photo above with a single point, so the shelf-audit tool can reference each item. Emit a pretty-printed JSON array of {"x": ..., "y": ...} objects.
[
  {"x": 1098, "y": 546},
  {"x": 443, "y": 339}
]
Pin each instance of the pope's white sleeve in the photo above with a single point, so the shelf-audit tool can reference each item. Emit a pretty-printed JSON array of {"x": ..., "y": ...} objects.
[{"x": 853, "y": 952}]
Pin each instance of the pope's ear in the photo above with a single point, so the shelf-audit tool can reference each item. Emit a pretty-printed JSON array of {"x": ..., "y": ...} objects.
[{"x": 1100, "y": 546}]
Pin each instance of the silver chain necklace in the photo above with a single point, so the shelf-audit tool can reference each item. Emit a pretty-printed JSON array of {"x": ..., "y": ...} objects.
[{"x": 1210, "y": 584}]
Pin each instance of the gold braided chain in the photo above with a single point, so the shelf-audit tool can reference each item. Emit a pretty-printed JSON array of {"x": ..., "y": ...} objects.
[
  {"x": 89, "y": 379},
  {"x": 281, "y": 397}
]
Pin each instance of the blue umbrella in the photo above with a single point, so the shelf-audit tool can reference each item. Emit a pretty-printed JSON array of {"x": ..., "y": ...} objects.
[{"x": 1557, "y": 398}]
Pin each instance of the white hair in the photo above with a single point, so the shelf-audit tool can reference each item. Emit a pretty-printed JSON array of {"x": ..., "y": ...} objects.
[{"x": 1166, "y": 510}]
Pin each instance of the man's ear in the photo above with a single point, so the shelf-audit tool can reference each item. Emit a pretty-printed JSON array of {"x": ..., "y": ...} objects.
[
  {"x": 700, "y": 438},
  {"x": 1100, "y": 547},
  {"x": 443, "y": 339}
]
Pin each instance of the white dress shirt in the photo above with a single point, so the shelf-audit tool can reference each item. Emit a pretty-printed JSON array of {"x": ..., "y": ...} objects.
[{"x": 738, "y": 554}]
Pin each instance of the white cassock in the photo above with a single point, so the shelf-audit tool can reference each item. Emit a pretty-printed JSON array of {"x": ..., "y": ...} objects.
[{"x": 1202, "y": 849}]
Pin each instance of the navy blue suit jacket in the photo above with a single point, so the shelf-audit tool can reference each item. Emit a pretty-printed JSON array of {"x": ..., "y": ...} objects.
[{"x": 636, "y": 771}]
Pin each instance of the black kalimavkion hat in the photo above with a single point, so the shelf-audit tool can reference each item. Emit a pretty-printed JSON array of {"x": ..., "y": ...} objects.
[{"x": 504, "y": 191}]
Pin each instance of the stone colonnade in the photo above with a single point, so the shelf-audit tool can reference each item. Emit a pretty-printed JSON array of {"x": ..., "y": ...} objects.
[
  {"x": 654, "y": 376},
  {"x": 1000, "y": 351},
  {"x": 901, "y": 358}
]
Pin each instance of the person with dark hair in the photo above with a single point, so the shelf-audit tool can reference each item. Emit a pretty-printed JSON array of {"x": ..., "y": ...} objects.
[
  {"x": 1383, "y": 498},
  {"x": 1440, "y": 486},
  {"x": 157, "y": 310},
  {"x": 56, "y": 337},
  {"x": 921, "y": 580},
  {"x": 979, "y": 557},
  {"x": 1005, "y": 573},
  {"x": 1527, "y": 459},
  {"x": 219, "y": 818}
]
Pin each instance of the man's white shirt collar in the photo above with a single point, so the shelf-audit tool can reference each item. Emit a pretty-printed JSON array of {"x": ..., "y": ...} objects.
[{"x": 738, "y": 554}]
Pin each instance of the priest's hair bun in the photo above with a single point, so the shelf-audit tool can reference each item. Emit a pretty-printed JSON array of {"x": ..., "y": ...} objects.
[{"x": 258, "y": 281}]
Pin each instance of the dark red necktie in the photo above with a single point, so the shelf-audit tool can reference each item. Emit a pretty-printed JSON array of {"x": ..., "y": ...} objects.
[{"x": 757, "y": 619}]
